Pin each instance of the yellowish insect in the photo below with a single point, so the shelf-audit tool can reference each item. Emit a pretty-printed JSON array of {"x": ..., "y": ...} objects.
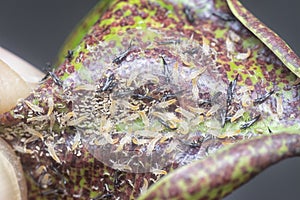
[
  {"x": 128, "y": 105},
  {"x": 33, "y": 132},
  {"x": 195, "y": 89},
  {"x": 213, "y": 110},
  {"x": 279, "y": 107},
  {"x": 165, "y": 104},
  {"x": 188, "y": 115},
  {"x": 145, "y": 119},
  {"x": 132, "y": 77},
  {"x": 197, "y": 73},
  {"x": 45, "y": 180},
  {"x": 33, "y": 107},
  {"x": 121, "y": 167},
  {"x": 197, "y": 111},
  {"x": 184, "y": 127},
  {"x": 158, "y": 172},
  {"x": 243, "y": 56},
  {"x": 38, "y": 118},
  {"x": 76, "y": 141},
  {"x": 237, "y": 115},
  {"x": 124, "y": 140},
  {"x": 77, "y": 121},
  {"x": 145, "y": 186},
  {"x": 152, "y": 143},
  {"x": 50, "y": 105}
]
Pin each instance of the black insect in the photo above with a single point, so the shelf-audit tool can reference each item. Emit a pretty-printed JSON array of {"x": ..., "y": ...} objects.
[
  {"x": 262, "y": 99},
  {"x": 104, "y": 196},
  {"x": 189, "y": 15},
  {"x": 223, "y": 115},
  {"x": 168, "y": 96},
  {"x": 224, "y": 16},
  {"x": 230, "y": 90},
  {"x": 143, "y": 97},
  {"x": 197, "y": 143},
  {"x": 55, "y": 79},
  {"x": 250, "y": 123},
  {"x": 69, "y": 56},
  {"x": 210, "y": 101},
  {"x": 166, "y": 70},
  {"x": 168, "y": 42},
  {"x": 122, "y": 56},
  {"x": 109, "y": 83}
]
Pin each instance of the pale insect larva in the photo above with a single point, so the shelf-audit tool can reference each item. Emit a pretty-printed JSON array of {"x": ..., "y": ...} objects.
[
  {"x": 230, "y": 133},
  {"x": 77, "y": 121},
  {"x": 158, "y": 172},
  {"x": 188, "y": 115},
  {"x": 166, "y": 137},
  {"x": 197, "y": 111},
  {"x": 145, "y": 119},
  {"x": 195, "y": 89},
  {"x": 121, "y": 167},
  {"x": 150, "y": 77},
  {"x": 184, "y": 127},
  {"x": 50, "y": 105},
  {"x": 23, "y": 149},
  {"x": 52, "y": 152},
  {"x": 144, "y": 188},
  {"x": 246, "y": 100},
  {"x": 113, "y": 108},
  {"x": 131, "y": 117},
  {"x": 243, "y": 56},
  {"x": 87, "y": 87},
  {"x": 171, "y": 147},
  {"x": 165, "y": 104},
  {"x": 33, "y": 132},
  {"x": 151, "y": 144},
  {"x": 279, "y": 107},
  {"x": 109, "y": 139},
  {"x": 199, "y": 119},
  {"x": 65, "y": 118},
  {"x": 128, "y": 105},
  {"x": 33, "y": 107},
  {"x": 45, "y": 180},
  {"x": 175, "y": 73},
  {"x": 237, "y": 115},
  {"x": 212, "y": 110},
  {"x": 138, "y": 141},
  {"x": 75, "y": 141},
  {"x": 52, "y": 121},
  {"x": 38, "y": 118},
  {"x": 131, "y": 78},
  {"x": 197, "y": 73},
  {"x": 125, "y": 140}
]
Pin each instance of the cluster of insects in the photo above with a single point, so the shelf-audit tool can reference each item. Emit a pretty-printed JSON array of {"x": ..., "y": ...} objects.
[{"x": 143, "y": 115}]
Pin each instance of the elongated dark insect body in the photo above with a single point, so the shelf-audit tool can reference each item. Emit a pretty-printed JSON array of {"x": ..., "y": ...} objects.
[
  {"x": 250, "y": 123},
  {"x": 263, "y": 98},
  {"x": 224, "y": 16},
  {"x": 143, "y": 97},
  {"x": 166, "y": 69},
  {"x": 69, "y": 56},
  {"x": 122, "y": 56},
  {"x": 55, "y": 79},
  {"x": 109, "y": 83},
  {"x": 230, "y": 90},
  {"x": 189, "y": 15},
  {"x": 168, "y": 42}
]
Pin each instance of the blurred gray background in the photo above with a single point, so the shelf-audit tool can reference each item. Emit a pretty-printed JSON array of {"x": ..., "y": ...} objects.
[{"x": 35, "y": 30}]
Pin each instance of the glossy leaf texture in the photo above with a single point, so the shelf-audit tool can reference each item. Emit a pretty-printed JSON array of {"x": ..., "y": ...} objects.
[{"x": 154, "y": 86}]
